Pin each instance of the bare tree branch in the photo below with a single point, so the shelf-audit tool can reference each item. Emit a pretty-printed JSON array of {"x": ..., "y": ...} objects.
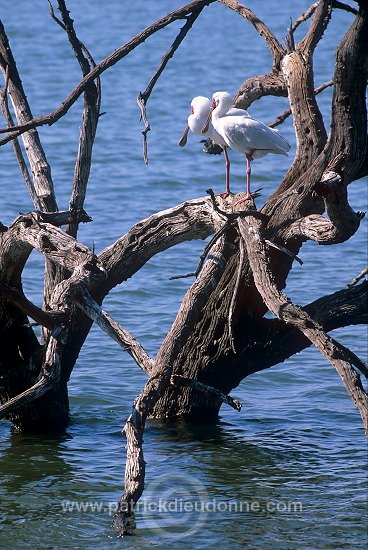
[
  {"x": 280, "y": 341},
  {"x": 64, "y": 217},
  {"x": 108, "y": 62},
  {"x": 194, "y": 219},
  {"x": 17, "y": 148},
  {"x": 49, "y": 319},
  {"x": 272, "y": 42},
  {"x": 347, "y": 147},
  {"x": 80, "y": 44},
  {"x": 356, "y": 279},
  {"x": 345, "y": 7},
  {"x": 53, "y": 243},
  {"x": 254, "y": 88},
  {"x": 115, "y": 331},
  {"x": 343, "y": 222},
  {"x": 310, "y": 11},
  {"x": 135, "y": 469},
  {"x": 281, "y": 306},
  {"x": 41, "y": 171},
  {"x": 143, "y": 97},
  {"x": 281, "y": 118},
  {"x": 227, "y": 399},
  {"x": 91, "y": 110},
  {"x": 317, "y": 28}
]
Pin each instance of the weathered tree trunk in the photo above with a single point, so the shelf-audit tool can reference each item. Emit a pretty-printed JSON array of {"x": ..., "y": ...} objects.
[
  {"x": 221, "y": 334},
  {"x": 221, "y": 317},
  {"x": 51, "y": 411},
  {"x": 216, "y": 347}
]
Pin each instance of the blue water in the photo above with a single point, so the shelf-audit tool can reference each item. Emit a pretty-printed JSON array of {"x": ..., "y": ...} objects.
[{"x": 288, "y": 471}]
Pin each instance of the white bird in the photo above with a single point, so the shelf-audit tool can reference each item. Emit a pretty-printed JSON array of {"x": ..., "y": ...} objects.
[
  {"x": 200, "y": 109},
  {"x": 244, "y": 134}
]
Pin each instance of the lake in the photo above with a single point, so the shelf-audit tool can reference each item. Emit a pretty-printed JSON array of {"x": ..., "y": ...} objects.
[{"x": 289, "y": 470}]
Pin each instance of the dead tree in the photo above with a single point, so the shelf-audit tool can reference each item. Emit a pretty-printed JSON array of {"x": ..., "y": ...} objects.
[{"x": 220, "y": 334}]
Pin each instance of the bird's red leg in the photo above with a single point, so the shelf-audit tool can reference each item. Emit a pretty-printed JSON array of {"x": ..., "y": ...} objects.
[
  {"x": 227, "y": 166},
  {"x": 248, "y": 195}
]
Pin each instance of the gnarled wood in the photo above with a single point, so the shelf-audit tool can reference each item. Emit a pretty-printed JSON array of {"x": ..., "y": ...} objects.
[
  {"x": 220, "y": 334},
  {"x": 279, "y": 304},
  {"x": 41, "y": 171}
]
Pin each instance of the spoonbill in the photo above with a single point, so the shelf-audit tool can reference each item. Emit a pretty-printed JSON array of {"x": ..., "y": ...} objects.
[
  {"x": 200, "y": 109},
  {"x": 244, "y": 134}
]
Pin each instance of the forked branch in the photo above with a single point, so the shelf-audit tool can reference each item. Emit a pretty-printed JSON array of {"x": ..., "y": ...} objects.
[
  {"x": 108, "y": 62},
  {"x": 41, "y": 171}
]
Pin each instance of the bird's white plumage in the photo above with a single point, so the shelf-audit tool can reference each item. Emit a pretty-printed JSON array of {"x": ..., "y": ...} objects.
[
  {"x": 245, "y": 134},
  {"x": 201, "y": 108}
]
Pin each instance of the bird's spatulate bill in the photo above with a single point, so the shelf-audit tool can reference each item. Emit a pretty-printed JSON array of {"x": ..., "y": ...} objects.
[
  {"x": 184, "y": 138},
  {"x": 207, "y": 123}
]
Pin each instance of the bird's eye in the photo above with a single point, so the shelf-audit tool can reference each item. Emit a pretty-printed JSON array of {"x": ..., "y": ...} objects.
[{"x": 192, "y": 111}]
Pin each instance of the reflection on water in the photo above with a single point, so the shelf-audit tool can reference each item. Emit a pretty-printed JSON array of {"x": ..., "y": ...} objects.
[{"x": 298, "y": 438}]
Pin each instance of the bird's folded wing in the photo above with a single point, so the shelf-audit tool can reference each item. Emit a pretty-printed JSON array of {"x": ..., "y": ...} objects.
[{"x": 245, "y": 133}]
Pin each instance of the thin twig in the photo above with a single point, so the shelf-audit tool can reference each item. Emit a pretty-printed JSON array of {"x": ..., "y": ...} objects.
[
  {"x": 204, "y": 254},
  {"x": 105, "y": 64},
  {"x": 143, "y": 97},
  {"x": 289, "y": 42},
  {"x": 358, "y": 277},
  {"x": 310, "y": 11},
  {"x": 63, "y": 26},
  {"x": 178, "y": 379},
  {"x": 16, "y": 145},
  {"x": 285, "y": 250},
  {"x": 147, "y": 127}
]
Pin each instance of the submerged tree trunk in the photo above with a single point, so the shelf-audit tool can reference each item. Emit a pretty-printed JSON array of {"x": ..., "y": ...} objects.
[
  {"x": 215, "y": 349},
  {"x": 221, "y": 334}
]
